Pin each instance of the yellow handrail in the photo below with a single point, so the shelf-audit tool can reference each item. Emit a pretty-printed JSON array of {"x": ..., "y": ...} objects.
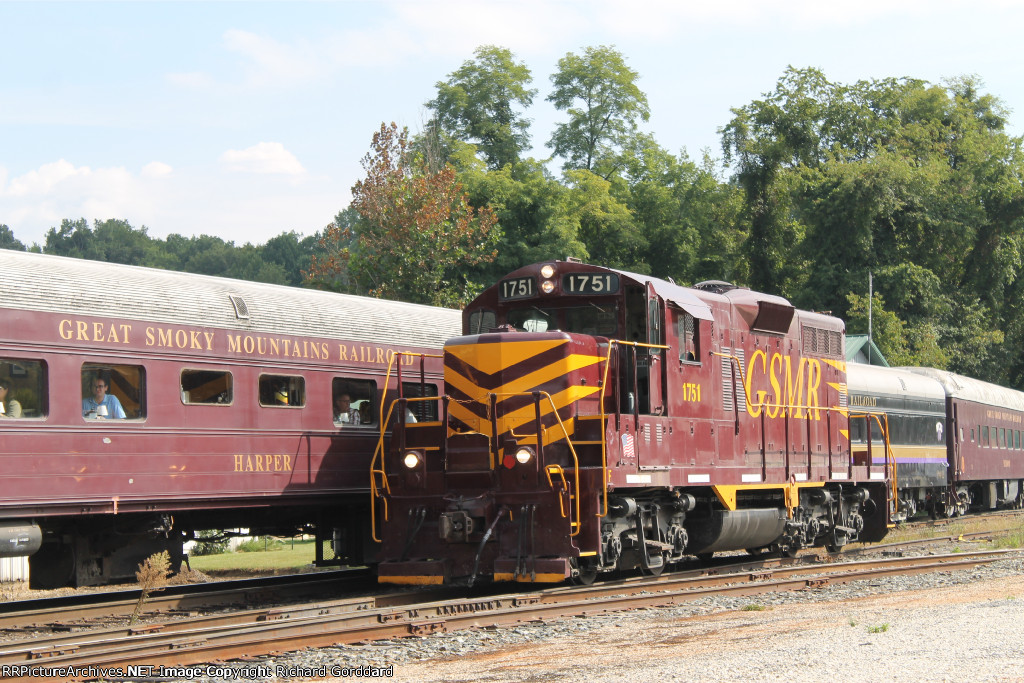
[
  {"x": 605, "y": 475},
  {"x": 379, "y": 450},
  {"x": 568, "y": 441}
]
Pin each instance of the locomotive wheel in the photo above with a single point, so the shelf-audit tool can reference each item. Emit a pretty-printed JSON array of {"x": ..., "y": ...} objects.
[
  {"x": 833, "y": 548},
  {"x": 658, "y": 570},
  {"x": 586, "y": 576}
]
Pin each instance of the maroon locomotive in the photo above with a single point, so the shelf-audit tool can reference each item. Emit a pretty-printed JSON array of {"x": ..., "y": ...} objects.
[
  {"x": 598, "y": 420},
  {"x": 142, "y": 405}
]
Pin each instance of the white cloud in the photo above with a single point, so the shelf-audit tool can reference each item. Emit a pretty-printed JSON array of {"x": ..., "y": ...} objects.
[
  {"x": 156, "y": 169},
  {"x": 42, "y": 197},
  {"x": 271, "y": 62},
  {"x": 265, "y": 157}
]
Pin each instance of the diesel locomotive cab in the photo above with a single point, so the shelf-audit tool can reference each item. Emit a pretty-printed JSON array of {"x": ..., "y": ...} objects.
[{"x": 597, "y": 420}]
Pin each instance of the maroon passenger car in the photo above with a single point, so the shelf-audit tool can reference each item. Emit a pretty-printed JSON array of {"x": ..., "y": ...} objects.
[
  {"x": 232, "y": 396},
  {"x": 599, "y": 420}
]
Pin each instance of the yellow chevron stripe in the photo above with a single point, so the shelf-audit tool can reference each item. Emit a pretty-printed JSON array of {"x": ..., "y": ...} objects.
[
  {"x": 548, "y": 373},
  {"x": 845, "y": 433},
  {"x": 525, "y": 383},
  {"x": 838, "y": 386},
  {"x": 839, "y": 365},
  {"x": 527, "y": 414},
  {"x": 491, "y": 358}
]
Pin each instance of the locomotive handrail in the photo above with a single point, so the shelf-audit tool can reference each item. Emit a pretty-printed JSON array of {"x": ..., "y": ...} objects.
[
  {"x": 604, "y": 416},
  {"x": 379, "y": 450},
  {"x": 890, "y": 457},
  {"x": 568, "y": 440}
]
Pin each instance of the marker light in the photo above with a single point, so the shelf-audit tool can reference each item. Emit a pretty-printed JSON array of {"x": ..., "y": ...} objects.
[
  {"x": 547, "y": 286},
  {"x": 411, "y": 459},
  {"x": 524, "y": 455},
  {"x": 547, "y": 271}
]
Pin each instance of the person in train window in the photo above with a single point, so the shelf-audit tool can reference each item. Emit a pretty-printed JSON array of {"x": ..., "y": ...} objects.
[
  {"x": 8, "y": 408},
  {"x": 343, "y": 410},
  {"x": 281, "y": 397},
  {"x": 101, "y": 404}
]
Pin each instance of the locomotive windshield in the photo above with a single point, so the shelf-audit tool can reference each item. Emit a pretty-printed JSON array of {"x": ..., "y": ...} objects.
[{"x": 594, "y": 320}]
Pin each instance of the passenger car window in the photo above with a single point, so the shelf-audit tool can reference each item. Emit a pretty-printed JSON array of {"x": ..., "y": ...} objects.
[
  {"x": 206, "y": 387},
  {"x": 23, "y": 388},
  {"x": 113, "y": 392},
  {"x": 282, "y": 391},
  {"x": 422, "y": 411},
  {"x": 354, "y": 402}
]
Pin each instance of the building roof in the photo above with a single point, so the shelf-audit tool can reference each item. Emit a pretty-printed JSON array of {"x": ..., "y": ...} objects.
[{"x": 857, "y": 348}]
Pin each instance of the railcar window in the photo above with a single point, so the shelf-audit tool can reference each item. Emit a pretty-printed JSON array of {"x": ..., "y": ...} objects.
[
  {"x": 206, "y": 387},
  {"x": 533, "y": 319},
  {"x": 422, "y": 411},
  {"x": 984, "y": 436},
  {"x": 23, "y": 388},
  {"x": 481, "y": 322},
  {"x": 595, "y": 319},
  {"x": 282, "y": 391},
  {"x": 354, "y": 401},
  {"x": 1016, "y": 440},
  {"x": 113, "y": 392},
  {"x": 689, "y": 339}
]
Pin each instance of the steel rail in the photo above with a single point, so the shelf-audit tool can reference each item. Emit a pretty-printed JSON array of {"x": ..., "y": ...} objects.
[{"x": 225, "y": 642}]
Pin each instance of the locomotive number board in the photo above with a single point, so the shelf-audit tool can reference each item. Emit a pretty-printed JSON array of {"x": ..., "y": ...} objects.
[
  {"x": 517, "y": 288},
  {"x": 590, "y": 283}
]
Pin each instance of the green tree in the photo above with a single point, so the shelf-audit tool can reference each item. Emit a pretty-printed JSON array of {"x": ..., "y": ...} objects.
[
  {"x": 599, "y": 93},
  {"x": 7, "y": 239},
  {"x": 605, "y": 225},
  {"x": 291, "y": 252},
  {"x": 116, "y": 241},
  {"x": 480, "y": 102},
  {"x": 527, "y": 202},
  {"x": 416, "y": 232},
  {"x": 72, "y": 238}
]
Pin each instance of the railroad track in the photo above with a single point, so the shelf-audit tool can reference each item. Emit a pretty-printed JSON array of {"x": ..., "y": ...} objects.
[
  {"x": 260, "y": 633},
  {"x": 68, "y": 612}
]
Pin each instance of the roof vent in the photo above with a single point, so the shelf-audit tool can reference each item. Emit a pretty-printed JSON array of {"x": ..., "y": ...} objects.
[
  {"x": 715, "y": 286},
  {"x": 241, "y": 310}
]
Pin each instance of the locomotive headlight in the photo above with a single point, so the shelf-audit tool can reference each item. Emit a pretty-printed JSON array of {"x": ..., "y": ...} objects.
[
  {"x": 547, "y": 271},
  {"x": 547, "y": 286},
  {"x": 411, "y": 459},
  {"x": 524, "y": 455}
]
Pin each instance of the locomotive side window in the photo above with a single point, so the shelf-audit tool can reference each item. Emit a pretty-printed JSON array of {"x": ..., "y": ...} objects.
[
  {"x": 533, "y": 319},
  {"x": 206, "y": 387},
  {"x": 282, "y": 391},
  {"x": 481, "y": 322},
  {"x": 22, "y": 388},
  {"x": 354, "y": 401},
  {"x": 689, "y": 340},
  {"x": 422, "y": 411},
  {"x": 113, "y": 392}
]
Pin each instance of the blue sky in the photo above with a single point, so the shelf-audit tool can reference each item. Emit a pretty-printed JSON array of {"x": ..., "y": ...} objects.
[{"x": 244, "y": 119}]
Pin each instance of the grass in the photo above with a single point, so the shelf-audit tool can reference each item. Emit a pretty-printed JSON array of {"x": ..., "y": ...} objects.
[
  {"x": 1013, "y": 539},
  {"x": 280, "y": 558},
  {"x": 754, "y": 607},
  {"x": 882, "y": 628},
  {"x": 1011, "y": 530}
]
